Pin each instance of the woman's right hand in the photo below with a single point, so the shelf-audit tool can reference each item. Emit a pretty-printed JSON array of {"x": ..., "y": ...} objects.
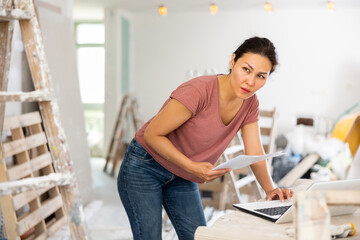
[{"x": 203, "y": 170}]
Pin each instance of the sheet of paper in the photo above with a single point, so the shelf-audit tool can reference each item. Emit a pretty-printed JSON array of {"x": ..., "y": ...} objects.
[{"x": 246, "y": 160}]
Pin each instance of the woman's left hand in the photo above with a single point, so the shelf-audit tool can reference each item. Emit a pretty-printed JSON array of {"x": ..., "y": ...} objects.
[{"x": 279, "y": 194}]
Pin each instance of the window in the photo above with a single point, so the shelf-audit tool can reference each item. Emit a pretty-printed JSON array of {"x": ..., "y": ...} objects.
[{"x": 90, "y": 40}]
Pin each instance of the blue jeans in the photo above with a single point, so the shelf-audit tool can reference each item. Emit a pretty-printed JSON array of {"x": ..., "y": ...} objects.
[{"x": 145, "y": 186}]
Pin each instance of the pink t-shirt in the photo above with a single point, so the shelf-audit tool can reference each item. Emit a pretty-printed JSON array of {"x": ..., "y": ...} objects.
[{"x": 204, "y": 137}]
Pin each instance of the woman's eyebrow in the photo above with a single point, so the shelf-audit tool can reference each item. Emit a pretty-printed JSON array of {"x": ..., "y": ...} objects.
[
  {"x": 249, "y": 66},
  {"x": 252, "y": 68}
]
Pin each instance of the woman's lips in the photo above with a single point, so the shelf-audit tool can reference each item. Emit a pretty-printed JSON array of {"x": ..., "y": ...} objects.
[{"x": 245, "y": 90}]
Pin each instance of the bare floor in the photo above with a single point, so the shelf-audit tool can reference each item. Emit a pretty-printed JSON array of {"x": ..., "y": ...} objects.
[{"x": 105, "y": 216}]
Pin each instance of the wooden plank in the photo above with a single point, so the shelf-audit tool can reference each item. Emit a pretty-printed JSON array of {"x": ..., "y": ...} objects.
[
  {"x": 18, "y": 134},
  {"x": 52, "y": 180},
  {"x": 343, "y": 198},
  {"x": 37, "y": 128},
  {"x": 40, "y": 227},
  {"x": 115, "y": 131},
  {"x": 19, "y": 200},
  {"x": 35, "y": 96},
  {"x": 213, "y": 202},
  {"x": 6, "y": 31},
  {"x": 265, "y": 131},
  {"x": 49, "y": 207},
  {"x": 29, "y": 221},
  {"x": 41, "y": 161},
  {"x": 21, "y": 145},
  {"x": 22, "y": 170},
  {"x": 9, "y": 216},
  {"x": 51, "y": 229},
  {"x": 289, "y": 179},
  {"x": 129, "y": 107},
  {"x": 239, "y": 225},
  {"x": 264, "y": 113},
  {"x": 19, "y": 171},
  {"x": 23, "y": 198},
  {"x": 14, "y": 147},
  {"x": 14, "y": 14},
  {"x": 245, "y": 181},
  {"x": 23, "y": 120},
  {"x": 213, "y": 186},
  {"x": 56, "y": 225}
]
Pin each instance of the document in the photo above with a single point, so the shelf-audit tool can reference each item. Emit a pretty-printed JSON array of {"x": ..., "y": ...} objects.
[{"x": 246, "y": 160}]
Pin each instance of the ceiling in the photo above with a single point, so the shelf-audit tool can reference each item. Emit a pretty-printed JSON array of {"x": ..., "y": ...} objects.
[{"x": 198, "y": 5}]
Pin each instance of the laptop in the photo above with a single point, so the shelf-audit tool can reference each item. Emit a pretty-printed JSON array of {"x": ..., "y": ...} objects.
[{"x": 282, "y": 212}]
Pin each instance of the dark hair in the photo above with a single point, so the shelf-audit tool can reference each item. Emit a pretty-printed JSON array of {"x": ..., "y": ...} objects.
[{"x": 257, "y": 45}]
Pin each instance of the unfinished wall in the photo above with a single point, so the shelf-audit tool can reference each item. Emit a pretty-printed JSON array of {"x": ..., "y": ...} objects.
[
  {"x": 117, "y": 47},
  {"x": 57, "y": 29},
  {"x": 319, "y": 53}
]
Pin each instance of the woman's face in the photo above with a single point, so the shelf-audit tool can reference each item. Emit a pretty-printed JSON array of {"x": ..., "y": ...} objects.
[{"x": 248, "y": 74}]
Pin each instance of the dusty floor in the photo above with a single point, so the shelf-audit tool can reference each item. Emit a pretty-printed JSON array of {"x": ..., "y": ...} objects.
[{"x": 105, "y": 216}]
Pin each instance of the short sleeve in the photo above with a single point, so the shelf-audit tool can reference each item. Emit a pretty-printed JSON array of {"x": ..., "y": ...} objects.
[
  {"x": 253, "y": 113},
  {"x": 189, "y": 96}
]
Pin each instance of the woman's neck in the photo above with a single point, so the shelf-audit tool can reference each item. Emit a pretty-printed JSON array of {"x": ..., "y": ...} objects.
[{"x": 226, "y": 93}]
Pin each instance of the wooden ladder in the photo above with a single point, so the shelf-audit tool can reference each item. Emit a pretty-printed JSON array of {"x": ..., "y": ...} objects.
[
  {"x": 128, "y": 106},
  {"x": 57, "y": 171}
]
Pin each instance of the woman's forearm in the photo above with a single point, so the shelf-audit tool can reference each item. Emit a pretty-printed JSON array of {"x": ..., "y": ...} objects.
[
  {"x": 163, "y": 146},
  {"x": 171, "y": 117},
  {"x": 262, "y": 174}
]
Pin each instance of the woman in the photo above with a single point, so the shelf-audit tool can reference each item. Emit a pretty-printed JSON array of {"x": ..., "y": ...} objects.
[{"x": 180, "y": 145}]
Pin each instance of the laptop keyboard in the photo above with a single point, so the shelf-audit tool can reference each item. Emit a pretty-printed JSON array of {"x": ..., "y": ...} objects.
[{"x": 273, "y": 211}]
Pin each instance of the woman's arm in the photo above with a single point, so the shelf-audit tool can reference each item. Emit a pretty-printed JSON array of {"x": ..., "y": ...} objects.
[
  {"x": 253, "y": 146},
  {"x": 172, "y": 116}
]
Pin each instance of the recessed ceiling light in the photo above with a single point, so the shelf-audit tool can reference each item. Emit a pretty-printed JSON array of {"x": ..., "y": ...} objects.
[
  {"x": 331, "y": 5},
  {"x": 268, "y": 7},
  {"x": 162, "y": 10},
  {"x": 214, "y": 9}
]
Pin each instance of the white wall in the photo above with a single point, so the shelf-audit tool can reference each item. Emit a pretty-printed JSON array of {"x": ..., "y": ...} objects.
[
  {"x": 57, "y": 30},
  {"x": 319, "y": 54},
  {"x": 112, "y": 72},
  {"x": 86, "y": 13},
  {"x": 115, "y": 79}
]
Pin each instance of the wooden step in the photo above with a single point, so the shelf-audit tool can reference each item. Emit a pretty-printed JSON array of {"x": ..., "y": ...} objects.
[
  {"x": 52, "y": 229},
  {"x": 266, "y": 131},
  {"x": 24, "y": 169},
  {"x": 23, "y": 198},
  {"x": 34, "y": 96},
  {"x": 36, "y": 183},
  {"x": 47, "y": 208},
  {"x": 14, "y": 14},
  {"x": 24, "y": 120},
  {"x": 24, "y": 144}
]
